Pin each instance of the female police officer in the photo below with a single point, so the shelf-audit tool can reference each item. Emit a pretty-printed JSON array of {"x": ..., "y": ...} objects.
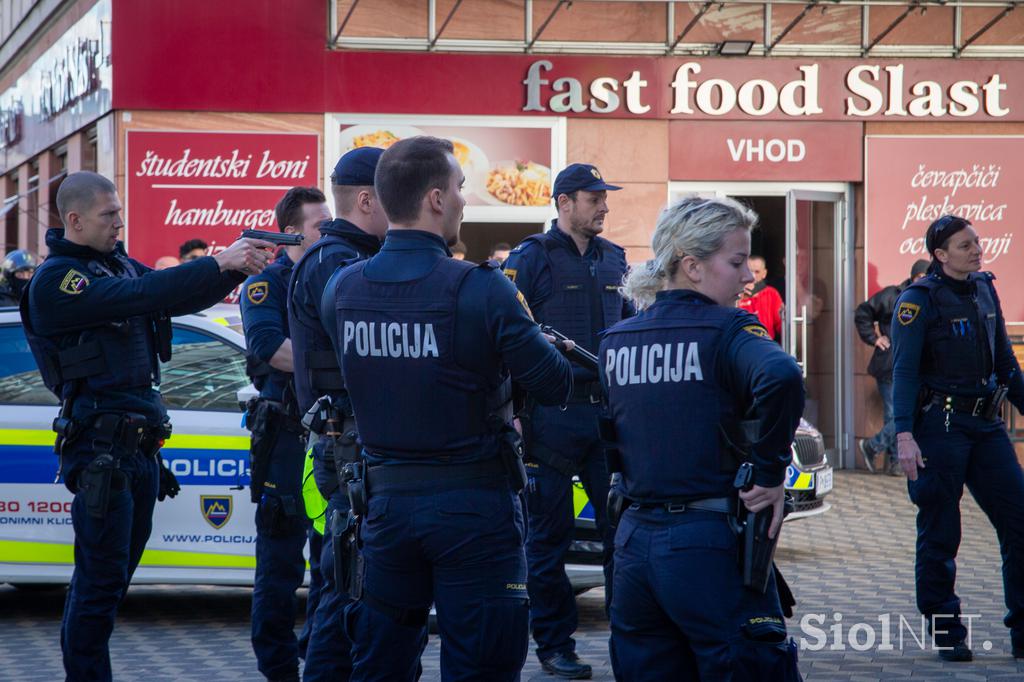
[
  {"x": 953, "y": 366},
  {"x": 678, "y": 375}
]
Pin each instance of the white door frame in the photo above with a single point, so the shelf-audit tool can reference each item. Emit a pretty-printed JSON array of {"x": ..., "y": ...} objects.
[{"x": 843, "y": 294}]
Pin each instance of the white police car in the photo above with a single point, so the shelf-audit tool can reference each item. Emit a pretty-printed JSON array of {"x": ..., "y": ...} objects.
[{"x": 205, "y": 535}]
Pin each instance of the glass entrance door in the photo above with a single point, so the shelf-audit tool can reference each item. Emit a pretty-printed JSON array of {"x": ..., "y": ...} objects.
[{"x": 813, "y": 321}]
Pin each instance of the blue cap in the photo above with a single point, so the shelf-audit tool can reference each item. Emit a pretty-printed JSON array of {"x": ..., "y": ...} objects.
[
  {"x": 356, "y": 168},
  {"x": 577, "y": 176}
]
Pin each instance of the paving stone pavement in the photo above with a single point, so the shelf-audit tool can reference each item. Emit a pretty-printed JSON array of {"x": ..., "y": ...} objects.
[{"x": 856, "y": 560}]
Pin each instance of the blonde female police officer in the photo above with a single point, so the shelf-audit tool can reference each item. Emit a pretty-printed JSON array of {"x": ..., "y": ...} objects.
[
  {"x": 953, "y": 366},
  {"x": 676, "y": 374}
]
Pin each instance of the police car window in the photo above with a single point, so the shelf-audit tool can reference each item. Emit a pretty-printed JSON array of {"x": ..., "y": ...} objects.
[
  {"x": 204, "y": 373},
  {"x": 20, "y": 382}
]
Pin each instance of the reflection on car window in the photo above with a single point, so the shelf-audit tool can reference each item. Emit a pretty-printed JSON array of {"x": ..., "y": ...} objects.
[
  {"x": 20, "y": 382},
  {"x": 204, "y": 373}
]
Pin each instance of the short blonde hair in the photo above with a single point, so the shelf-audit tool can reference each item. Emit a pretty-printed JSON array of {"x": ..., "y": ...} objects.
[{"x": 692, "y": 226}]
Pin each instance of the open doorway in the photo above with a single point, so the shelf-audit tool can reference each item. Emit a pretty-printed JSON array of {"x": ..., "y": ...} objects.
[
  {"x": 481, "y": 238},
  {"x": 802, "y": 235},
  {"x": 768, "y": 239}
]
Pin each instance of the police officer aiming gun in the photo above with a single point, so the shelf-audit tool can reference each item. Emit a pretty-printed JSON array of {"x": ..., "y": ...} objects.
[
  {"x": 679, "y": 376},
  {"x": 98, "y": 324},
  {"x": 424, "y": 341}
]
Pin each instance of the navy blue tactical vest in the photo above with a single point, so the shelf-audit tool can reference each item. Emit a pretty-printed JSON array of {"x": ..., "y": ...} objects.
[
  {"x": 113, "y": 356},
  {"x": 411, "y": 398},
  {"x": 585, "y": 297},
  {"x": 954, "y": 355},
  {"x": 316, "y": 367},
  {"x": 664, "y": 398}
]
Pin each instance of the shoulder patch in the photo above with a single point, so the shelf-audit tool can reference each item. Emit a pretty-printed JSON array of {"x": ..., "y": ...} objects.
[
  {"x": 522, "y": 302},
  {"x": 256, "y": 292},
  {"x": 907, "y": 313},
  {"x": 511, "y": 273},
  {"x": 756, "y": 330},
  {"x": 74, "y": 283}
]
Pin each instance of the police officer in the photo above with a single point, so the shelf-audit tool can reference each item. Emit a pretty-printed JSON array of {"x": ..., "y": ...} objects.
[
  {"x": 679, "y": 376},
  {"x": 423, "y": 341},
  {"x": 952, "y": 368},
  {"x": 278, "y": 444},
  {"x": 16, "y": 269},
  {"x": 570, "y": 277},
  {"x": 354, "y": 235},
  {"x": 97, "y": 322}
]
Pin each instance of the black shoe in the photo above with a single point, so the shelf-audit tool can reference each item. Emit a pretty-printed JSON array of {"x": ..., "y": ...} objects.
[
  {"x": 868, "y": 454},
  {"x": 958, "y": 653},
  {"x": 567, "y": 666}
]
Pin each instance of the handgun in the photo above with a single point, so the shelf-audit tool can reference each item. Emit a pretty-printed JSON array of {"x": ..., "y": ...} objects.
[
  {"x": 276, "y": 238},
  {"x": 581, "y": 356}
]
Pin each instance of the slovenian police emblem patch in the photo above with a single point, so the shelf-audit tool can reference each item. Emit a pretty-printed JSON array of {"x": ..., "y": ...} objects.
[
  {"x": 216, "y": 509},
  {"x": 907, "y": 313},
  {"x": 74, "y": 283},
  {"x": 756, "y": 330},
  {"x": 256, "y": 292},
  {"x": 511, "y": 273}
]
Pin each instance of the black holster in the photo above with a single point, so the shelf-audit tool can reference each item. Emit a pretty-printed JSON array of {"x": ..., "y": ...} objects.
[
  {"x": 617, "y": 501},
  {"x": 512, "y": 457},
  {"x": 353, "y": 477},
  {"x": 114, "y": 435},
  {"x": 96, "y": 481},
  {"x": 349, "y": 564},
  {"x": 258, "y": 421},
  {"x": 995, "y": 403}
]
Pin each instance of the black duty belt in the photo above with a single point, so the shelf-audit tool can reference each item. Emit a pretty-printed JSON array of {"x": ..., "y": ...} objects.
[
  {"x": 962, "y": 404},
  {"x": 435, "y": 477},
  {"x": 722, "y": 505},
  {"x": 586, "y": 392}
]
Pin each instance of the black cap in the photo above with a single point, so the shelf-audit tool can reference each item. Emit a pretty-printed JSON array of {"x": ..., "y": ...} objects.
[
  {"x": 356, "y": 168},
  {"x": 941, "y": 230},
  {"x": 579, "y": 176}
]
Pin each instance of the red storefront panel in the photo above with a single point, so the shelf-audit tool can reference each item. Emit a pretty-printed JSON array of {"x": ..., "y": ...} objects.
[
  {"x": 208, "y": 185},
  {"x": 735, "y": 151},
  {"x": 911, "y": 181}
]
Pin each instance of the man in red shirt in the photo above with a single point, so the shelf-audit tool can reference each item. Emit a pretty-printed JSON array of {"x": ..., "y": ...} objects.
[{"x": 762, "y": 299}]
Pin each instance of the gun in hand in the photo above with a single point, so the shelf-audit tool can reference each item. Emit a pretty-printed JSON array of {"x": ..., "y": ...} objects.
[
  {"x": 579, "y": 355},
  {"x": 757, "y": 550},
  {"x": 276, "y": 238}
]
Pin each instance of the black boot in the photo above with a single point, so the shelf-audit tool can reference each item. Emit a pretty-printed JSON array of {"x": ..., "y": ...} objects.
[
  {"x": 958, "y": 653},
  {"x": 567, "y": 666}
]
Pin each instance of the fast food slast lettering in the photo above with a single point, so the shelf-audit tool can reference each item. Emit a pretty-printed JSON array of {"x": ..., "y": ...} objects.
[{"x": 871, "y": 90}]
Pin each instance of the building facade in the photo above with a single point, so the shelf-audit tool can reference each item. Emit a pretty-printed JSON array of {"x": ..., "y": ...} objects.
[{"x": 848, "y": 126}]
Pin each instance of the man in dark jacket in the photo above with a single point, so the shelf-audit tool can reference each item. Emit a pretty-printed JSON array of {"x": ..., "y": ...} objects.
[{"x": 878, "y": 309}]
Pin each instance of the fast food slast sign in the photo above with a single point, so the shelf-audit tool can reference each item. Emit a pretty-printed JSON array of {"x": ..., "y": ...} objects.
[
  {"x": 775, "y": 89},
  {"x": 208, "y": 185}
]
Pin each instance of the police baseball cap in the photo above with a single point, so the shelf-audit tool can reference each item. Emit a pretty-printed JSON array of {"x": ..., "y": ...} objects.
[
  {"x": 356, "y": 168},
  {"x": 577, "y": 176}
]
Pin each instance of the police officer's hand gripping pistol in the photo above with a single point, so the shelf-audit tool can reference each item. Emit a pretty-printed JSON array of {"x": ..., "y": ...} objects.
[
  {"x": 275, "y": 238},
  {"x": 757, "y": 549}
]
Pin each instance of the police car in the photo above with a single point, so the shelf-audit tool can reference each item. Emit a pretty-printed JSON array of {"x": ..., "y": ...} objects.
[{"x": 205, "y": 535}]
